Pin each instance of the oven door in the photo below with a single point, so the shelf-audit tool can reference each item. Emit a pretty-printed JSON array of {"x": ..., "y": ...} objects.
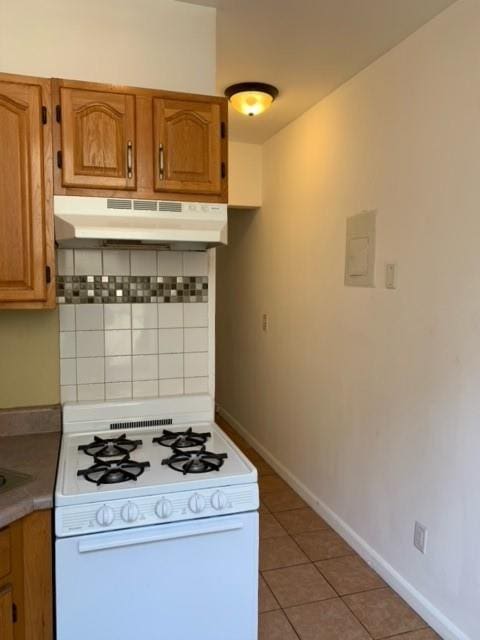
[{"x": 195, "y": 579}]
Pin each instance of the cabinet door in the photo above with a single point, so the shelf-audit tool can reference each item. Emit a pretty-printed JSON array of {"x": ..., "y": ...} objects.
[
  {"x": 187, "y": 146},
  {"x": 24, "y": 227},
  {"x": 6, "y": 613},
  {"x": 98, "y": 139}
]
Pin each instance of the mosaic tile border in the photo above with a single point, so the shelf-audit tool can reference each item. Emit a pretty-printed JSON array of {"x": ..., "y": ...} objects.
[{"x": 107, "y": 289}]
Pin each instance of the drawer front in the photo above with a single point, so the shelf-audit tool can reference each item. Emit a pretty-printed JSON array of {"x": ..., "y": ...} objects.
[{"x": 4, "y": 552}]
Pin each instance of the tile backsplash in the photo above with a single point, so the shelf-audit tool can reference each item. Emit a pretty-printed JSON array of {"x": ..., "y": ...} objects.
[{"x": 132, "y": 323}]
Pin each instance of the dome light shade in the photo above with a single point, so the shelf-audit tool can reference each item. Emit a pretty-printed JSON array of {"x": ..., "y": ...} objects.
[{"x": 251, "y": 98}]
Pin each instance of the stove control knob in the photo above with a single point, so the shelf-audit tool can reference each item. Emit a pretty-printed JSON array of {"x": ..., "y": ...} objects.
[
  {"x": 105, "y": 516},
  {"x": 129, "y": 512},
  {"x": 218, "y": 500},
  {"x": 164, "y": 508},
  {"x": 196, "y": 503}
]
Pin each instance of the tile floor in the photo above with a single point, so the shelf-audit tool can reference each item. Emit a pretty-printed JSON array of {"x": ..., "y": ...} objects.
[{"x": 312, "y": 585}]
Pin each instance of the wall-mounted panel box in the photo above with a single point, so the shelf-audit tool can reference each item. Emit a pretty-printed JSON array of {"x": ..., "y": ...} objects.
[{"x": 360, "y": 250}]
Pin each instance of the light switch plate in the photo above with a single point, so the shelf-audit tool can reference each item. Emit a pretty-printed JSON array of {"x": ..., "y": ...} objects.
[{"x": 391, "y": 276}]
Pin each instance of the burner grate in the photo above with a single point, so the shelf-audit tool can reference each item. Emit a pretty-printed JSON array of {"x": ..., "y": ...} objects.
[
  {"x": 198, "y": 461},
  {"x": 113, "y": 471},
  {"x": 182, "y": 439},
  {"x": 110, "y": 447}
]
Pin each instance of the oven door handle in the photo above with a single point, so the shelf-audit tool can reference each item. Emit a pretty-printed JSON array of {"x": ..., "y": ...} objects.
[{"x": 136, "y": 536}]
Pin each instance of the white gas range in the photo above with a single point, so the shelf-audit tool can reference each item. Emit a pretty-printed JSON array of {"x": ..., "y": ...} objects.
[{"x": 156, "y": 524}]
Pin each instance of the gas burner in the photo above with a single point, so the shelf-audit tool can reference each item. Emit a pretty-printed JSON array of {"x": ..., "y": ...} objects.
[
  {"x": 113, "y": 471},
  {"x": 110, "y": 447},
  {"x": 198, "y": 461},
  {"x": 182, "y": 439}
]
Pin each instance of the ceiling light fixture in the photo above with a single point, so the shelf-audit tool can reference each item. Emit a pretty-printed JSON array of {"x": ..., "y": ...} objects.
[{"x": 251, "y": 98}]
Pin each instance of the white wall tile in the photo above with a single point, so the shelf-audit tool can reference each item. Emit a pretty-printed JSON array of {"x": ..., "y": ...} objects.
[
  {"x": 195, "y": 314},
  {"x": 170, "y": 341},
  {"x": 195, "y": 263},
  {"x": 118, "y": 343},
  {"x": 145, "y": 389},
  {"x": 144, "y": 316},
  {"x": 67, "y": 344},
  {"x": 116, "y": 390},
  {"x": 91, "y": 392},
  {"x": 68, "y": 371},
  {"x": 90, "y": 344},
  {"x": 116, "y": 263},
  {"x": 196, "y": 365},
  {"x": 90, "y": 370},
  {"x": 170, "y": 365},
  {"x": 196, "y": 340},
  {"x": 89, "y": 317},
  {"x": 143, "y": 263},
  {"x": 118, "y": 368},
  {"x": 145, "y": 367},
  {"x": 170, "y": 315},
  {"x": 169, "y": 263},
  {"x": 66, "y": 314},
  {"x": 65, "y": 262},
  {"x": 140, "y": 350},
  {"x": 68, "y": 393},
  {"x": 88, "y": 262},
  {"x": 196, "y": 385},
  {"x": 144, "y": 341},
  {"x": 170, "y": 387},
  {"x": 118, "y": 316}
]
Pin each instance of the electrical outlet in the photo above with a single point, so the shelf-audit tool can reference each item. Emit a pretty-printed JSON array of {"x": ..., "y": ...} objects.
[
  {"x": 420, "y": 537},
  {"x": 265, "y": 322}
]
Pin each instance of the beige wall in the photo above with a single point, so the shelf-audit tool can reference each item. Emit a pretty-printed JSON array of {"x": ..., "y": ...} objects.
[
  {"x": 368, "y": 399},
  {"x": 153, "y": 43},
  {"x": 244, "y": 175},
  {"x": 29, "y": 358},
  {"x": 146, "y": 43}
]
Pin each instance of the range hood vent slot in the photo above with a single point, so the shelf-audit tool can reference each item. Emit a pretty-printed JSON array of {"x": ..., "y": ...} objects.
[
  {"x": 145, "y": 205},
  {"x": 114, "y": 203},
  {"x": 175, "y": 207}
]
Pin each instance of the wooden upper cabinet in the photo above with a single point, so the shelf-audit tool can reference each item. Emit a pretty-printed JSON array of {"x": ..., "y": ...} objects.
[
  {"x": 26, "y": 226},
  {"x": 98, "y": 139},
  {"x": 128, "y": 142},
  {"x": 187, "y": 146}
]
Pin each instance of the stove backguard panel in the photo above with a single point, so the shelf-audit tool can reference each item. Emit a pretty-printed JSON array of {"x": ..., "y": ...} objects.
[{"x": 134, "y": 323}]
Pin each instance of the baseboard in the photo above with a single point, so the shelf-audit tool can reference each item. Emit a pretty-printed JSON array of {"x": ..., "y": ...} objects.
[{"x": 435, "y": 618}]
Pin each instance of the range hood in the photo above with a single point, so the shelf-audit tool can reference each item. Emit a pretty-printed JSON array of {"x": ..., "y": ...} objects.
[{"x": 101, "y": 222}]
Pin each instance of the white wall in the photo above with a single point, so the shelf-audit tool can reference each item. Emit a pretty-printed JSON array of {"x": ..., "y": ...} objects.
[
  {"x": 151, "y": 43},
  {"x": 244, "y": 175},
  {"x": 370, "y": 397}
]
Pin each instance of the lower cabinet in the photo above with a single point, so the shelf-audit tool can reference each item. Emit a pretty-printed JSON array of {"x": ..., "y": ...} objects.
[
  {"x": 6, "y": 613},
  {"x": 26, "y": 593}
]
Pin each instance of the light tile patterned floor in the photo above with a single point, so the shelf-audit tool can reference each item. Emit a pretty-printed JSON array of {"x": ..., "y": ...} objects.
[{"x": 313, "y": 586}]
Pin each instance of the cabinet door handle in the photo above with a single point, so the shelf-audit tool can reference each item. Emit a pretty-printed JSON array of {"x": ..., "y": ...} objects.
[
  {"x": 129, "y": 159},
  {"x": 161, "y": 169}
]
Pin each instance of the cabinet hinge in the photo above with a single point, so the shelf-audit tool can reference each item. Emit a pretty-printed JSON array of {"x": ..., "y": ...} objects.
[
  {"x": 58, "y": 113},
  {"x": 59, "y": 159},
  {"x": 223, "y": 130},
  {"x": 48, "y": 274},
  {"x": 14, "y": 613},
  {"x": 44, "y": 115},
  {"x": 223, "y": 170}
]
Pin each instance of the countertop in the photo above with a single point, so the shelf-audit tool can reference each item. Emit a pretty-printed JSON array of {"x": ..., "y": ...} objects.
[{"x": 35, "y": 454}]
